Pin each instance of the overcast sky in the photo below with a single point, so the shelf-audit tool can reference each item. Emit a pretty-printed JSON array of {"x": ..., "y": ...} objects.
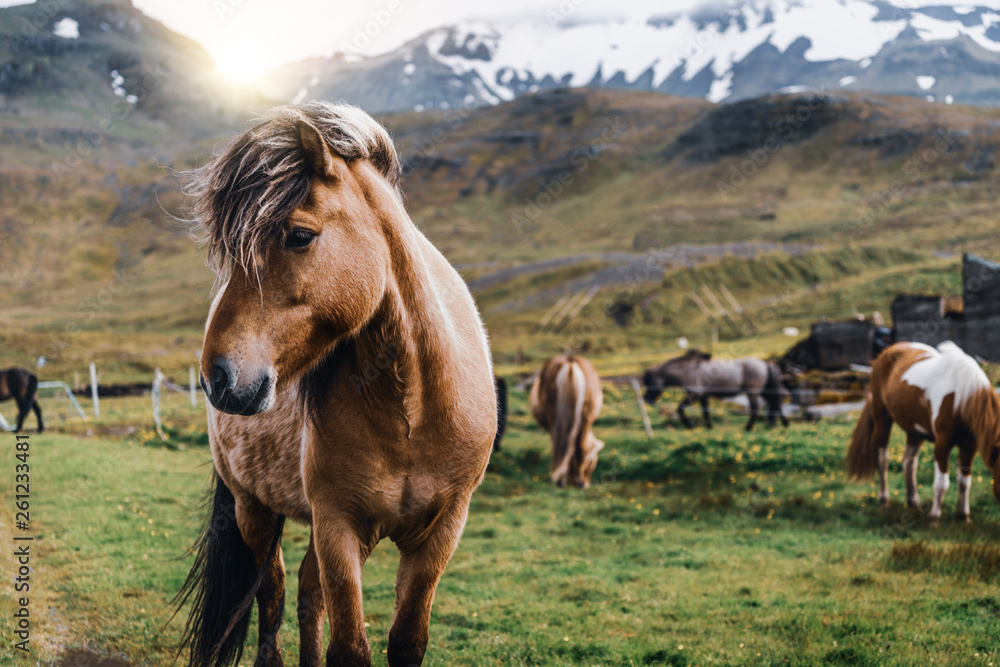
[{"x": 249, "y": 36}]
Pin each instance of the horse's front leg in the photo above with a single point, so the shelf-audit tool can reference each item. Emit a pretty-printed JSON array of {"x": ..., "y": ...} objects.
[
  {"x": 705, "y": 412},
  {"x": 942, "y": 451},
  {"x": 680, "y": 411},
  {"x": 754, "y": 400},
  {"x": 341, "y": 553},
  {"x": 420, "y": 570},
  {"x": 311, "y": 610},
  {"x": 964, "y": 479},
  {"x": 257, "y": 525}
]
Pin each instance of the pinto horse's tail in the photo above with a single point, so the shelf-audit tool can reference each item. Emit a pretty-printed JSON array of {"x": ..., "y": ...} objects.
[
  {"x": 222, "y": 585},
  {"x": 571, "y": 392},
  {"x": 862, "y": 455}
]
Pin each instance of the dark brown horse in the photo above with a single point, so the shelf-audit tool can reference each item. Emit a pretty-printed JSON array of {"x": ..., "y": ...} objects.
[
  {"x": 703, "y": 377},
  {"x": 350, "y": 384},
  {"x": 21, "y": 385}
]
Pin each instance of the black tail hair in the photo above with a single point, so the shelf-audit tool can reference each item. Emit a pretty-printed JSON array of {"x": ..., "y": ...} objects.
[
  {"x": 774, "y": 393},
  {"x": 222, "y": 585},
  {"x": 501, "y": 388}
]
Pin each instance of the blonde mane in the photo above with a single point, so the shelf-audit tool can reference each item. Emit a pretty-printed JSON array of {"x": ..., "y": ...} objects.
[{"x": 242, "y": 195}]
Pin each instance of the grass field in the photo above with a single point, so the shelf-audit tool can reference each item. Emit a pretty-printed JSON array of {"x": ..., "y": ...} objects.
[{"x": 701, "y": 547}]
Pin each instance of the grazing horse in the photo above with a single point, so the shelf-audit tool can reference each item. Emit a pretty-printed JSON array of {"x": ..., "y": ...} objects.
[
  {"x": 350, "y": 389},
  {"x": 703, "y": 377},
  {"x": 21, "y": 384},
  {"x": 940, "y": 395},
  {"x": 501, "y": 388},
  {"x": 566, "y": 399}
]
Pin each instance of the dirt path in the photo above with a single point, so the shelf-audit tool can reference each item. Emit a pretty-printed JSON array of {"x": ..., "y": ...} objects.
[{"x": 631, "y": 269}]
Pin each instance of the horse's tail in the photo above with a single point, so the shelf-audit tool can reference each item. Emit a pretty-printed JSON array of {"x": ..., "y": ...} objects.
[
  {"x": 222, "y": 585},
  {"x": 30, "y": 387},
  {"x": 774, "y": 390},
  {"x": 862, "y": 455},
  {"x": 571, "y": 389},
  {"x": 501, "y": 390}
]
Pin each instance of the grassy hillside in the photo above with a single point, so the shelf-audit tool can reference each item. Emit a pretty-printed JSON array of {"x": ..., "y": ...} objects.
[{"x": 851, "y": 199}]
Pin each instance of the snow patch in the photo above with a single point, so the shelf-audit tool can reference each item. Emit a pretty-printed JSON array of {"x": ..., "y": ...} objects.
[
  {"x": 66, "y": 28},
  {"x": 118, "y": 86},
  {"x": 794, "y": 90},
  {"x": 409, "y": 68},
  {"x": 847, "y": 80},
  {"x": 721, "y": 88},
  {"x": 300, "y": 96},
  {"x": 926, "y": 82},
  {"x": 949, "y": 99}
]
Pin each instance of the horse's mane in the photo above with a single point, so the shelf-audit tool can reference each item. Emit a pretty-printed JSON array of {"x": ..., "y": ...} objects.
[
  {"x": 981, "y": 413},
  {"x": 244, "y": 193}
]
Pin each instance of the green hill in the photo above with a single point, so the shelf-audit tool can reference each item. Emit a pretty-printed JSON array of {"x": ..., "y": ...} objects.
[{"x": 828, "y": 203}]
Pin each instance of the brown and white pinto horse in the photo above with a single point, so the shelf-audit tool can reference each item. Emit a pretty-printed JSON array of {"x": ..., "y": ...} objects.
[
  {"x": 566, "y": 399},
  {"x": 350, "y": 384},
  {"x": 940, "y": 395}
]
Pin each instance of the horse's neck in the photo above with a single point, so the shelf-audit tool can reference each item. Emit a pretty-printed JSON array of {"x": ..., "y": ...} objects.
[{"x": 413, "y": 325}]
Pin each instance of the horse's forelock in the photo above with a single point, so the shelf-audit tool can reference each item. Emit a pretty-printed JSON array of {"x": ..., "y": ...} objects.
[{"x": 244, "y": 193}]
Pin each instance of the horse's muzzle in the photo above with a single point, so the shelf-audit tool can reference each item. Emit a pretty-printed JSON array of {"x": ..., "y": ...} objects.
[{"x": 224, "y": 394}]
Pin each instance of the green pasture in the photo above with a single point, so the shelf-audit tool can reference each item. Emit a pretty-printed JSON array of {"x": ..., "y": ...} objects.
[{"x": 691, "y": 548}]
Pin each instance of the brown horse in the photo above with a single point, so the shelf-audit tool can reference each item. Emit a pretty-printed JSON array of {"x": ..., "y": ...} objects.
[
  {"x": 566, "y": 399},
  {"x": 940, "y": 395},
  {"x": 350, "y": 384},
  {"x": 21, "y": 385},
  {"x": 703, "y": 377}
]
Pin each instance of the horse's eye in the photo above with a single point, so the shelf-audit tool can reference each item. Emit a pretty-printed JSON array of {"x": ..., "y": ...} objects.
[{"x": 299, "y": 238}]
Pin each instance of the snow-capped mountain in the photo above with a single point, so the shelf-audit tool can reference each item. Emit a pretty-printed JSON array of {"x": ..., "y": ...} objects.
[{"x": 949, "y": 54}]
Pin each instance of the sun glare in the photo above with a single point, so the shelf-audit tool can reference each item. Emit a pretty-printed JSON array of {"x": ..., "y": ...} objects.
[{"x": 240, "y": 67}]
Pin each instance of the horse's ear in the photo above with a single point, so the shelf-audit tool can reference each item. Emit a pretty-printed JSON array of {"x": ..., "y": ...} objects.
[{"x": 318, "y": 152}]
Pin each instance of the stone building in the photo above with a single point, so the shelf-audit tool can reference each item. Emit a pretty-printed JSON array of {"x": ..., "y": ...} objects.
[{"x": 973, "y": 322}]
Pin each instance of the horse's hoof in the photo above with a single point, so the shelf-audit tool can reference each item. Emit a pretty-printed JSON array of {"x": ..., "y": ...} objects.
[
  {"x": 934, "y": 520},
  {"x": 883, "y": 503},
  {"x": 965, "y": 518}
]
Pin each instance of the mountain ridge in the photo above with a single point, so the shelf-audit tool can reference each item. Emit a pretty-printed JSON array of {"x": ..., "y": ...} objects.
[{"x": 750, "y": 49}]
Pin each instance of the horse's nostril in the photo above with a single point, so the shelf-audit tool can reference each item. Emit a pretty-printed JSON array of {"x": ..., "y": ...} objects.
[{"x": 219, "y": 378}]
